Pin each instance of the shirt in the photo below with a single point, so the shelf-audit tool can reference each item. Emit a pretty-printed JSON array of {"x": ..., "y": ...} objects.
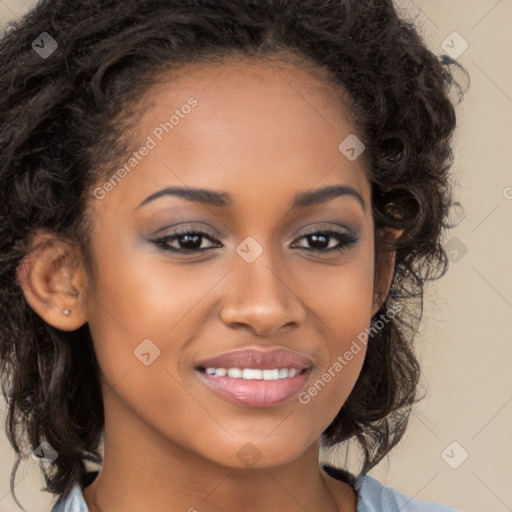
[{"x": 372, "y": 496}]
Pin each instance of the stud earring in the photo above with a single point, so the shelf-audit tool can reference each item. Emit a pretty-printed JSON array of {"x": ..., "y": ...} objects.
[{"x": 66, "y": 311}]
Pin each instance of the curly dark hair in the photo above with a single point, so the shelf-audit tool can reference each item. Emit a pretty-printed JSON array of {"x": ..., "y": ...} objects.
[{"x": 64, "y": 126}]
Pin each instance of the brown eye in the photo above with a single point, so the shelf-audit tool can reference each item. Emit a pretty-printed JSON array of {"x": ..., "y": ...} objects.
[
  {"x": 188, "y": 240},
  {"x": 321, "y": 240}
]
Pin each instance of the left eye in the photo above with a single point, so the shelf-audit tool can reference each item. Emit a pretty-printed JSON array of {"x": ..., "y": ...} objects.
[
  {"x": 319, "y": 237},
  {"x": 191, "y": 241}
]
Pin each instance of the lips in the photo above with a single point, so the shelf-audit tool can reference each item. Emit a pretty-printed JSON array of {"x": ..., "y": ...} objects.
[
  {"x": 254, "y": 392},
  {"x": 258, "y": 359}
]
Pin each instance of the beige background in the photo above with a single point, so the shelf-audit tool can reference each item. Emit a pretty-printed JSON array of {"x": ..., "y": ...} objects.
[{"x": 465, "y": 344}]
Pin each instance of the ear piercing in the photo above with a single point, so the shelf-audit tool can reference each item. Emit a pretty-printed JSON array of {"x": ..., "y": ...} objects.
[{"x": 66, "y": 311}]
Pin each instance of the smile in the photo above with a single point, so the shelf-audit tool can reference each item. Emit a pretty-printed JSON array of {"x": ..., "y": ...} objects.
[
  {"x": 254, "y": 373},
  {"x": 254, "y": 387}
]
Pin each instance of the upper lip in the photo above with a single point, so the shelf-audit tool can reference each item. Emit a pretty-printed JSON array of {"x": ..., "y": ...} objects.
[{"x": 262, "y": 359}]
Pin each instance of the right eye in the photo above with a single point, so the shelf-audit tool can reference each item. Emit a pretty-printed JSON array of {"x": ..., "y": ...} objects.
[{"x": 188, "y": 241}]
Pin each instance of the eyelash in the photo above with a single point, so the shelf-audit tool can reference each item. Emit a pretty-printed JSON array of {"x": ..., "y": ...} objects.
[{"x": 346, "y": 240}]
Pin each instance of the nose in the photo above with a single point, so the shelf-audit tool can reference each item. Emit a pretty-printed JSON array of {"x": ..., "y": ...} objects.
[{"x": 261, "y": 298}]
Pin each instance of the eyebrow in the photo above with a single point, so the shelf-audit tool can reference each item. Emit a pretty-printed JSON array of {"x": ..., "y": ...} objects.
[{"x": 223, "y": 199}]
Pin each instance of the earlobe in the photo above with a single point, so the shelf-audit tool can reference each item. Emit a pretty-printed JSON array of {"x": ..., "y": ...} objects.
[
  {"x": 385, "y": 269},
  {"x": 53, "y": 282}
]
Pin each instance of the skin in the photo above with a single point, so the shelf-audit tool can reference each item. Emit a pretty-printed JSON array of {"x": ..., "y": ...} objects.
[{"x": 262, "y": 134}]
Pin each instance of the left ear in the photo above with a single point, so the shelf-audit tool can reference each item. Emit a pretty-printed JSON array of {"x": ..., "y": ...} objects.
[{"x": 384, "y": 268}]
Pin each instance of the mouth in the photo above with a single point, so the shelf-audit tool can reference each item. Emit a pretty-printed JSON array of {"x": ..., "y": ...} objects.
[
  {"x": 253, "y": 373},
  {"x": 268, "y": 374},
  {"x": 238, "y": 385},
  {"x": 256, "y": 378},
  {"x": 258, "y": 359}
]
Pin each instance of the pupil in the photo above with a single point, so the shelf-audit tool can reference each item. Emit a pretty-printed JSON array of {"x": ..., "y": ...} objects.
[
  {"x": 188, "y": 239},
  {"x": 321, "y": 237}
]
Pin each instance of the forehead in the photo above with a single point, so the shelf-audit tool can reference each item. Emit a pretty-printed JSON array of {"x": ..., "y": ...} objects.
[
  {"x": 255, "y": 126},
  {"x": 241, "y": 86}
]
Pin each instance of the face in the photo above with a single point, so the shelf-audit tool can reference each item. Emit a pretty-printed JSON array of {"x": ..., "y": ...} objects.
[{"x": 260, "y": 268}]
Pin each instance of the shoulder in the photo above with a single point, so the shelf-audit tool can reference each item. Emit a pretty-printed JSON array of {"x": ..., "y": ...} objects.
[
  {"x": 375, "y": 497},
  {"x": 74, "y": 501}
]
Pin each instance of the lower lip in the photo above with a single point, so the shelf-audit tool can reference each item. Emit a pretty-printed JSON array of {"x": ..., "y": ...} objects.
[{"x": 256, "y": 393}]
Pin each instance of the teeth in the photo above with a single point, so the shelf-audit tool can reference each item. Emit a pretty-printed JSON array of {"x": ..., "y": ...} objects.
[
  {"x": 236, "y": 373},
  {"x": 270, "y": 374},
  {"x": 249, "y": 373},
  {"x": 254, "y": 373},
  {"x": 283, "y": 373}
]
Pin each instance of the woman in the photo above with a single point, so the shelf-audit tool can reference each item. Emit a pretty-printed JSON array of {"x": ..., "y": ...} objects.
[{"x": 217, "y": 221}]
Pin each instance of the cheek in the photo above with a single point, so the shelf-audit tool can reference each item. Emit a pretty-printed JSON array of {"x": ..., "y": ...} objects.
[
  {"x": 343, "y": 306},
  {"x": 141, "y": 291},
  {"x": 341, "y": 296},
  {"x": 136, "y": 317},
  {"x": 137, "y": 297}
]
